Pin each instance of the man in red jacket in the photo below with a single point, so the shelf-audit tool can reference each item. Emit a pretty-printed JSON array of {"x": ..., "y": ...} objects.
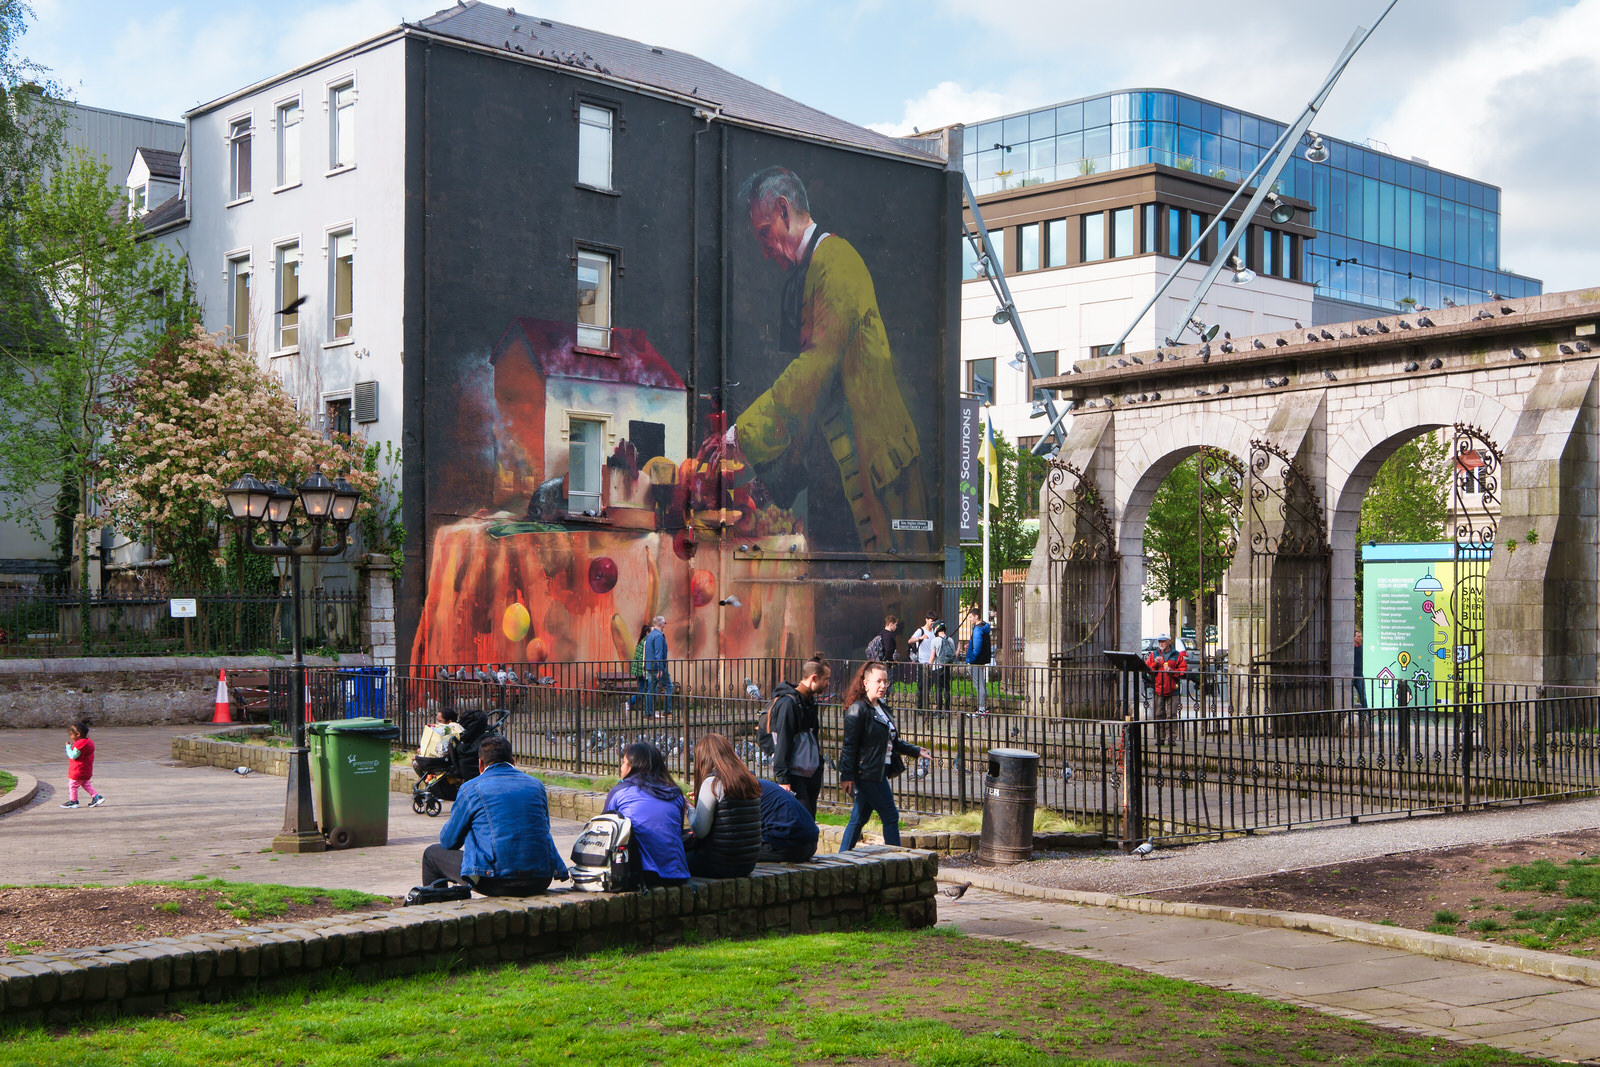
[{"x": 1169, "y": 666}]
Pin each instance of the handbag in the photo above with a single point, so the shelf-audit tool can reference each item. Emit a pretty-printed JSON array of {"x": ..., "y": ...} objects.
[{"x": 807, "y": 759}]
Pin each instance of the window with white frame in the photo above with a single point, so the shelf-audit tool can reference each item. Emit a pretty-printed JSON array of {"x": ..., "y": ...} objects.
[
  {"x": 240, "y": 135},
  {"x": 594, "y": 300},
  {"x": 139, "y": 204},
  {"x": 341, "y": 125},
  {"x": 585, "y": 463},
  {"x": 286, "y": 264},
  {"x": 239, "y": 299},
  {"x": 289, "y": 143},
  {"x": 341, "y": 282},
  {"x": 595, "y": 125}
]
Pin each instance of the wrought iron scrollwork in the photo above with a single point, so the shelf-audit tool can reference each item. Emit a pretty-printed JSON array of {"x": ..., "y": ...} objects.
[{"x": 1081, "y": 545}]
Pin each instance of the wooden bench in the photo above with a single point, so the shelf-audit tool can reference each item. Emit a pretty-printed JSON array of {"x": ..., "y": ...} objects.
[
  {"x": 618, "y": 683},
  {"x": 249, "y": 692}
]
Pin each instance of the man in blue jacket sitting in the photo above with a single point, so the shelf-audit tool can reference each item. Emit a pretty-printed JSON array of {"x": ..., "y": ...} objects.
[{"x": 498, "y": 837}]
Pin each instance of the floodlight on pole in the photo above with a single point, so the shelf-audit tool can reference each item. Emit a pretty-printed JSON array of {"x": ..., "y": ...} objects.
[
  {"x": 1017, "y": 362},
  {"x": 1317, "y": 152},
  {"x": 1281, "y": 212},
  {"x": 1242, "y": 275},
  {"x": 1002, "y": 315}
]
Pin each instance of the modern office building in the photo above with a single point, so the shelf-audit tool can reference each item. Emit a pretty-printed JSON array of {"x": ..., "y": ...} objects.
[{"x": 1093, "y": 200}]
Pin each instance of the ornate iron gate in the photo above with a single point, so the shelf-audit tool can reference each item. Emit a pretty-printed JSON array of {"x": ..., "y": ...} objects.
[
  {"x": 1219, "y": 500},
  {"x": 1289, "y": 570},
  {"x": 1474, "y": 511},
  {"x": 1084, "y": 571}
]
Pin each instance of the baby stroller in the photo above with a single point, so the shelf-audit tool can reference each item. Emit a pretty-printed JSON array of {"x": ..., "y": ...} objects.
[{"x": 439, "y": 778}]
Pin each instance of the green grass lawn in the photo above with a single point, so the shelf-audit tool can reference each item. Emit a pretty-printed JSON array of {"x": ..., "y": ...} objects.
[
  {"x": 1572, "y": 926},
  {"x": 8, "y": 782},
  {"x": 930, "y": 998}
]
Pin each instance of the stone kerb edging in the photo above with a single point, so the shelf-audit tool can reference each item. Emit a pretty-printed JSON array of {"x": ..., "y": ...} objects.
[
  {"x": 1418, "y": 942},
  {"x": 21, "y": 794},
  {"x": 836, "y": 892}
]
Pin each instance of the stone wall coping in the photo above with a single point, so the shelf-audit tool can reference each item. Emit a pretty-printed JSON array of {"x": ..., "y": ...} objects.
[
  {"x": 831, "y": 892},
  {"x": 139, "y": 664}
]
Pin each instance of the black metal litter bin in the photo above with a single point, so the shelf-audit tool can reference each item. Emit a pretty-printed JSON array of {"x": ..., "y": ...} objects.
[{"x": 1008, "y": 803}]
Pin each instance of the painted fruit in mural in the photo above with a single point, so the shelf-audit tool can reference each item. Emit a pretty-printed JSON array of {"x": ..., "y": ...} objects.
[
  {"x": 515, "y": 622},
  {"x": 683, "y": 544},
  {"x": 702, "y": 588},
  {"x": 603, "y": 574},
  {"x": 538, "y": 651}
]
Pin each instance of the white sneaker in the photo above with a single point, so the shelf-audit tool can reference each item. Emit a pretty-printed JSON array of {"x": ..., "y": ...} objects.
[
  {"x": 99, "y": 799},
  {"x": 70, "y": 804}
]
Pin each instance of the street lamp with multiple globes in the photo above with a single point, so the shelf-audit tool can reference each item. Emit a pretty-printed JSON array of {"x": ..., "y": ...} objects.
[{"x": 250, "y": 501}]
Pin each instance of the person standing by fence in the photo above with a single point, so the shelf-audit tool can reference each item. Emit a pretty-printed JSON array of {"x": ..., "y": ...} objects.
[
  {"x": 979, "y": 655},
  {"x": 1169, "y": 666},
  {"x": 656, "y": 677},
  {"x": 796, "y": 744}
]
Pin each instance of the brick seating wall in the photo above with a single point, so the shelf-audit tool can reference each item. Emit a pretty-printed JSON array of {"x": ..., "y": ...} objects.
[{"x": 832, "y": 892}]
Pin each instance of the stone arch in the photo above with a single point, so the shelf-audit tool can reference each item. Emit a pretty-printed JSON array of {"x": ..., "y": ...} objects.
[
  {"x": 1353, "y": 461},
  {"x": 1161, "y": 448}
]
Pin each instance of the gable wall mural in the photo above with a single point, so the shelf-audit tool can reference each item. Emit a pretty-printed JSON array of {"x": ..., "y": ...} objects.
[{"x": 715, "y": 393}]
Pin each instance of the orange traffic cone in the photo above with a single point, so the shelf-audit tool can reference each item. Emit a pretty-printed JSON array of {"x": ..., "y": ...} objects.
[{"x": 221, "y": 713}]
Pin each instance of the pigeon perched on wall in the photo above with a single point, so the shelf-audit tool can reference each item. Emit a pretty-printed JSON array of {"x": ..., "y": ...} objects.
[
  {"x": 1205, "y": 353},
  {"x": 1483, "y": 315},
  {"x": 1328, "y": 374},
  {"x": 1518, "y": 353},
  {"x": 1227, "y": 347},
  {"x": 1380, "y": 327},
  {"x": 1508, "y": 311},
  {"x": 1403, "y": 324},
  {"x": 1202, "y": 392},
  {"x": 1222, "y": 388},
  {"x": 1282, "y": 343},
  {"x": 1411, "y": 366},
  {"x": 1297, "y": 325},
  {"x": 1363, "y": 330},
  {"x": 1436, "y": 363},
  {"x": 1450, "y": 303},
  {"x": 1582, "y": 346},
  {"x": 1566, "y": 350},
  {"x": 1326, "y": 336},
  {"x": 1256, "y": 342},
  {"x": 1137, "y": 360}
]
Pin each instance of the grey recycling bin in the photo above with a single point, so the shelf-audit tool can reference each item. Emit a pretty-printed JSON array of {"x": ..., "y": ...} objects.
[{"x": 1008, "y": 802}]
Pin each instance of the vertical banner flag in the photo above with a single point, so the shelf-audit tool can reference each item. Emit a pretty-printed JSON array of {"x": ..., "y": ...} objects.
[
  {"x": 967, "y": 469},
  {"x": 989, "y": 459}
]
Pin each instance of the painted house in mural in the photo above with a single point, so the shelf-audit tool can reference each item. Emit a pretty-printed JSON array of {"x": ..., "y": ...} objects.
[{"x": 674, "y": 344}]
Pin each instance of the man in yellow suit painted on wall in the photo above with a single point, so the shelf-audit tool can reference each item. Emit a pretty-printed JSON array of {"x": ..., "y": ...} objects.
[{"x": 839, "y": 392}]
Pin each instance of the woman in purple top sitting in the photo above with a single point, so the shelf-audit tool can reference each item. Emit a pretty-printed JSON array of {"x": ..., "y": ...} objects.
[{"x": 650, "y": 800}]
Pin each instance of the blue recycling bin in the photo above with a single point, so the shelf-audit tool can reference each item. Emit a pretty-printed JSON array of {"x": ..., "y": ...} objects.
[{"x": 364, "y": 691}]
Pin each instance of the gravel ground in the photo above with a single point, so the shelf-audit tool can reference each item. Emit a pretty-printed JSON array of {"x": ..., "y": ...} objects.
[{"x": 1247, "y": 857}]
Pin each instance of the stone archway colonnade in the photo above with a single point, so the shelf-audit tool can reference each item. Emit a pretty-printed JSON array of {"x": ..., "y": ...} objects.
[{"x": 1339, "y": 400}]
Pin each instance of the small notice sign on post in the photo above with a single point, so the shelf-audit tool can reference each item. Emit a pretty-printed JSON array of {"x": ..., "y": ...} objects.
[{"x": 184, "y": 607}]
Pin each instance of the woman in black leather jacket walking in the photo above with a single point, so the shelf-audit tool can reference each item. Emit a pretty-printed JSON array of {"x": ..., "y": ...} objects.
[
  {"x": 725, "y": 829},
  {"x": 871, "y": 755}
]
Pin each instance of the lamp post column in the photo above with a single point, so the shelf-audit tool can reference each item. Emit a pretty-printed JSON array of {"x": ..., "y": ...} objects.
[{"x": 300, "y": 833}]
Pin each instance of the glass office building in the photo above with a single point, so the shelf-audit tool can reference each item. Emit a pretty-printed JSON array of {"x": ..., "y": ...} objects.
[{"x": 1388, "y": 228}]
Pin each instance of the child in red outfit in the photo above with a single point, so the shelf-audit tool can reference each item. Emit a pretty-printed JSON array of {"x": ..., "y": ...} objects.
[{"x": 80, "y": 766}]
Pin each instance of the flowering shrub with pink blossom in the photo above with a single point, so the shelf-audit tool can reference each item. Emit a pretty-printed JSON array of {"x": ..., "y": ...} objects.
[{"x": 200, "y": 414}]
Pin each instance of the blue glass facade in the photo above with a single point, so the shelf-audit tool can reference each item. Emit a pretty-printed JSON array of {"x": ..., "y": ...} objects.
[{"x": 1387, "y": 228}]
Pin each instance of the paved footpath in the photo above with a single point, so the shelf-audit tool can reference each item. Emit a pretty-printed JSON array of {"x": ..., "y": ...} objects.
[
  {"x": 163, "y": 820},
  {"x": 1387, "y": 986}
]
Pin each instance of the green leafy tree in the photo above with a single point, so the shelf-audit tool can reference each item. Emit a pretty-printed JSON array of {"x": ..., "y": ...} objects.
[
  {"x": 30, "y": 123},
  {"x": 1012, "y": 533},
  {"x": 1408, "y": 500},
  {"x": 1179, "y": 524},
  {"x": 86, "y": 303},
  {"x": 199, "y": 414}
]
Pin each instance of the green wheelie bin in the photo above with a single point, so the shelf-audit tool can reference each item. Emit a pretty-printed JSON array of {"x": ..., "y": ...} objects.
[{"x": 350, "y": 779}]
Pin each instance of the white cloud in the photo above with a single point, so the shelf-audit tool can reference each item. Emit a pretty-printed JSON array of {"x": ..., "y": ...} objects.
[
  {"x": 1519, "y": 109},
  {"x": 951, "y": 102}
]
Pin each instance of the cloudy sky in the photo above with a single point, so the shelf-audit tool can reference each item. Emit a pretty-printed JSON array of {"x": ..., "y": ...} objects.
[{"x": 1507, "y": 91}]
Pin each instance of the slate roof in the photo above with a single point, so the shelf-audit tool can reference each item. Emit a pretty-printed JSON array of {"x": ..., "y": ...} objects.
[
  {"x": 169, "y": 210},
  {"x": 161, "y": 163},
  {"x": 619, "y": 58}
]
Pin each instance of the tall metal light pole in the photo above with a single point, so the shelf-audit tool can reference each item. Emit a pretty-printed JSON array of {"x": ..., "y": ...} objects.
[{"x": 251, "y": 500}]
